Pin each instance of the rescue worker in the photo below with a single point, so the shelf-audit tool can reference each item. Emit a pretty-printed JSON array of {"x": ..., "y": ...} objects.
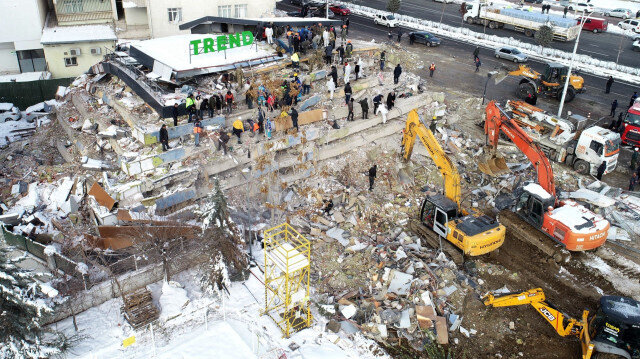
[
  {"x": 432, "y": 69},
  {"x": 238, "y": 128},
  {"x": 294, "y": 117},
  {"x": 364, "y": 105},
  {"x": 223, "y": 139},
  {"x": 197, "y": 130},
  {"x": 396, "y": 74},
  {"x": 391, "y": 100},
  {"x": 350, "y": 107},
  {"x": 377, "y": 100},
  {"x": 295, "y": 60},
  {"x": 164, "y": 137},
  {"x": 373, "y": 171},
  {"x": 347, "y": 93},
  {"x": 174, "y": 114},
  {"x": 229, "y": 100},
  {"x": 383, "y": 56}
]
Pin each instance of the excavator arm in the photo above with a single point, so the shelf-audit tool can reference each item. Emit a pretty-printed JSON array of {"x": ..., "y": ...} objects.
[
  {"x": 497, "y": 120},
  {"x": 526, "y": 71},
  {"x": 536, "y": 298},
  {"x": 414, "y": 127}
]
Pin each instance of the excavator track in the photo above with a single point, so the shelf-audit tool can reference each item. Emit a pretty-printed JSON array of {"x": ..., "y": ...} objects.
[
  {"x": 432, "y": 240},
  {"x": 523, "y": 231}
]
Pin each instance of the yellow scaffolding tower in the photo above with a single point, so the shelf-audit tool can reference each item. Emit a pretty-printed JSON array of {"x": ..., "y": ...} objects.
[{"x": 287, "y": 265}]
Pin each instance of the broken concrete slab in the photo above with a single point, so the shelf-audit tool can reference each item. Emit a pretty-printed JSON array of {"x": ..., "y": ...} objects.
[
  {"x": 333, "y": 325},
  {"x": 426, "y": 315},
  {"x": 442, "y": 335},
  {"x": 336, "y": 233},
  {"x": 400, "y": 282},
  {"x": 101, "y": 196}
]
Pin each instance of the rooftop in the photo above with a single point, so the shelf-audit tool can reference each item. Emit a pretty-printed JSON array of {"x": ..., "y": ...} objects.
[{"x": 73, "y": 34}]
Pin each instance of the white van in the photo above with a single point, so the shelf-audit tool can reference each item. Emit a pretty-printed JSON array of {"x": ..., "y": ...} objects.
[
  {"x": 630, "y": 24},
  {"x": 386, "y": 20}
]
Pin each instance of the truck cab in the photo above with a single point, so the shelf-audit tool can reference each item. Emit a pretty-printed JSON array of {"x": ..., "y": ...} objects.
[
  {"x": 596, "y": 145},
  {"x": 631, "y": 132}
]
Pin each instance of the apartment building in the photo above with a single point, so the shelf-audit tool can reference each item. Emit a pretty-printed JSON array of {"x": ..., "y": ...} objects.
[{"x": 20, "y": 48}]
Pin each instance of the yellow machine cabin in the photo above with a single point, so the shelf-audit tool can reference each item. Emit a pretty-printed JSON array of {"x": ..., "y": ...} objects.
[{"x": 475, "y": 234}]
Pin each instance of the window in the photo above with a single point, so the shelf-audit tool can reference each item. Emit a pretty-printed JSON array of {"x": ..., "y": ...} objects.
[
  {"x": 71, "y": 61},
  {"x": 241, "y": 11},
  {"x": 175, "y": 14},
  {"x": 224, "y": 11},
  {"x": 597, "y": 147},
  {"x": 31, "y": 60},
  {"x": 71, "y": 6}
]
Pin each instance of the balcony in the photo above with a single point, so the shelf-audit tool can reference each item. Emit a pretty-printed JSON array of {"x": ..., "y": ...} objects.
[{"x": 76, "y": 12}]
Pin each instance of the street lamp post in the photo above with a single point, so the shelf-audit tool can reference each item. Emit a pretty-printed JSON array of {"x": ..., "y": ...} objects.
[
  {"x": 326, "y": 8},
  {"x": 575, "y": 49}
]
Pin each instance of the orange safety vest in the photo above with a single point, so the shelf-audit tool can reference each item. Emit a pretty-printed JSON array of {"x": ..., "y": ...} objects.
[
  {"x": 197, "y": 129},
  {"x": 256, "y": 127},
  {"x": 432, "y": 67}
]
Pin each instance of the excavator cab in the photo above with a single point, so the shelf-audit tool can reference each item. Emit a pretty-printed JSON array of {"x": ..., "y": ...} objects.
[
  {"x": 554, "y": 73},
  {"x": 615, "y": 328},
  {"x": 532, "y": 204},
  {"x": 436, "y": 212}
]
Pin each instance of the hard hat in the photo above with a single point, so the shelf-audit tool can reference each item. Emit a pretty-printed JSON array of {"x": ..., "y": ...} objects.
[
  {"x": 295, "y": 74},
  {"x": 435, "y": 117}
]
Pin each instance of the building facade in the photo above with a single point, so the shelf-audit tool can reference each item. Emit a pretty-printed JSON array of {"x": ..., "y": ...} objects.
[{"x": 20, "y": 48}]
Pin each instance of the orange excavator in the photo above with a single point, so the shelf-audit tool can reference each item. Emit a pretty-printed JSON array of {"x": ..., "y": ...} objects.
[{"x": 567, "y": 222}]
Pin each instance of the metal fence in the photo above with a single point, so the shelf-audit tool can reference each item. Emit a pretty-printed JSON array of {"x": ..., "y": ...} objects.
[{"x": 25, "y": 94}]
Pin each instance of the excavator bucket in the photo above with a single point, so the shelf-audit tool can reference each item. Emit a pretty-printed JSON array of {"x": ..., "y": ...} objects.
[
  {"x": 501, "y": 74},
  {"x": 494, "y": 166}
]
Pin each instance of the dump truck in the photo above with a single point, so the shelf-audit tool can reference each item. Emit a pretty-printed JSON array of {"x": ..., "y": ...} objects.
[
  {"x": 631, "y": 131},
  {"x": 473, "y": 233},
  {"x": 567, "y": 140},
  {"x": 496, "y": 17},
  {"x": 568, "y": 223},
  {"x": 613, "y": 331}
]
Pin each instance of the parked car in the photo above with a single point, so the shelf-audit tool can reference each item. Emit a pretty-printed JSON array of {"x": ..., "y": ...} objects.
[
  {"x": 8, "y": 112},
  {"x": 510, "y": 53},
  {"x": 534, "y": 1},
  {"x": 580, "y": 7},
  {"x": 594, "y": 24},
  {"x": 426, "y": 38},
  {"x": 444, "y": 1},
  {"x": 620, "y": 12},
  {"x": 340, "y": 10},
  {"x": 306, "y": 2},
  {"x": 630, "y": 24},
  {"x": 636, "y": 45},
  {"x": 385, "y": 20},
  {"x": 313, "y": 12},
  {"x": 33, "y": 112}
]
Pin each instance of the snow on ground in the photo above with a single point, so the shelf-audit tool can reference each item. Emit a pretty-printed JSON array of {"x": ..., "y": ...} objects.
[
  {"x": 583, "y": 63},
  {"x": 233, "y": 328},
  {"x": 620, "y": 281},
  {"x": 26, "y": 76},
  {"x": 8, "y": 126}
]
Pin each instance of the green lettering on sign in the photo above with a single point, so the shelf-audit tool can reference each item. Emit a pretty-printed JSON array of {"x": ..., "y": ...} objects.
[{"x": 222, "y": 42}]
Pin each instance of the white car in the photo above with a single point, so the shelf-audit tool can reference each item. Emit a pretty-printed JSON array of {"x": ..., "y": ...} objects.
[
  {"x": 385, "y": 20},
  {"x": 8, "y": 112},
  {"x": 580, "y": 7},
  {"x": 621, "y": 13},
  {"x": 630, "y": 24}
]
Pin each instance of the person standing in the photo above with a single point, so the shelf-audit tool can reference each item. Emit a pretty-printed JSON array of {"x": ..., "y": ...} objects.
[
  {"x": 349, "y": 49},
  {"x": 565, "y": 11},
  {"x": 634, "y": 158},
  {"x": 260, "y": 119},
  {"x": 609, "y": 83},
  {"x": 331, "y": 87},
  {"x": 347, "y": 93},
  {"x": 238, "y": 128},
  {"x": 347, "y": 23},
  {"x": 223, "y": 139},
  {"x": 350, "y": 107},
  {"x": 412, "y": 38},
  {"x": 396, "y": 74},
  {"x": 358, "y": 68},
  {"x": 478, "y": 63},
  {"x": 633, "y": 98},
  {"x": 306, "y": 85},
  {"x": 219, "y": 103},
  {"x": 189, "y": 105},
  {"x": 295, "y": 60},
  {"x": 174, "y": 114},
  {"x": 328, "y": 52},
  {"x": 391, "y": 100},
  {"x": 614, "y": 105},
  {"x": 383, "y": 56},
  {"x": 376, "y": 103},
  {"x": 633, "y": 182},
  {"x": 432, "y": 69},
  {"x": 164, "y": 137},
  {"x": 269, "y": 32},
  {"x": 334, "y": 75},
  {"x": 364, "y": 105},
  {"x": 198, "y": 105},
  {"x": 399, "y": 35},
  {"x": 601, "y": 169},
  {"x": 197, "y": 130},
  {"x": 347, "y": 72},
  {"x": 619, "y": 127},
  {"x": 212, "y": 104},
  {"x": 325, "y": 37},
  {"x": 373, "y": 171},
  {"x": 229, "y": 100},
  {"x": 340, "y": 51},
  {"x": 294, "y": 117},
  {"x": 476, "y": 52},
  {"x": 390, "y": 35},
  {"x": 343, "y": 33},
  {"x": 383, "y": 113}
]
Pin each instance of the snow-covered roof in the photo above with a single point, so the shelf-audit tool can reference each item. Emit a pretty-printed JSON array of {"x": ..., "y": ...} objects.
[
  {"x": 175, "y": 52},
  {"x": 536, "y": 189},
  {"x": 73, "y": 34},
  {"x": 26, "y": 76}
]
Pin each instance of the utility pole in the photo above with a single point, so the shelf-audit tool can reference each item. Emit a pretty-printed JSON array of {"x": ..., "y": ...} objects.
[
  {"x": 326, "y": 8},
  {"x": 575, "y": 49}
]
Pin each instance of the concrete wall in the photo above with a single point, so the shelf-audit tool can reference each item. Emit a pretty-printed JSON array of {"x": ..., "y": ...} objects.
[
  {"x": 136, "y": 16},
  {"x": 55, "y": 55},
  {"x": 22, "y": 23},
  {"x": 195, "y": 9}
]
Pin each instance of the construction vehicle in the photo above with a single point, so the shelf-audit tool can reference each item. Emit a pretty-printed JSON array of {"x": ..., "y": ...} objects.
[
  {"x": 567, "y": 140},
  {"x": 614, "y": 329},
  {"x": 631, "y": 121},
  {"x": 496, "y": 17},
  {"x": 474, "y": 234},
  {"x": 549, "y": 83},
  {"x": 568, "y": 223}
]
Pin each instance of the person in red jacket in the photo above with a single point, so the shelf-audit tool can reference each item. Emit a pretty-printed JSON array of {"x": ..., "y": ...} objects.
[{"x": 228, "y": 98}]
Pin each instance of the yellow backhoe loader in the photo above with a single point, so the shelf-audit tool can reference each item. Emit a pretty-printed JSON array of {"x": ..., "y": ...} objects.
[
  {"x": 550, "y": 83},
  {"x": 475, "y": 234},
  {"x": 613, "y": 332}
]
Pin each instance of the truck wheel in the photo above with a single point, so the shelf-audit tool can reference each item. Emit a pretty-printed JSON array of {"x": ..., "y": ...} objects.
[
  {"x": 492, "y": 25},
  {"x": 470, "y": 20},
  {"x": 581, "y": 167},
  {"x": 571, "y": 94},
  {"x": 524, "y": 90},
  {"x": 528, "y": 32}
]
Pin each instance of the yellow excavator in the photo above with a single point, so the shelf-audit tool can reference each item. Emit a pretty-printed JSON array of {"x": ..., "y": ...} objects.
[
  {"x": 550, "y": 83},
  {"x": 475, "y": 234},
  {"x": 612, "y": 332}
]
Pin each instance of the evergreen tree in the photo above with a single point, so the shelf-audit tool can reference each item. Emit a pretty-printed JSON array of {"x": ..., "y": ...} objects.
[
  {"x": 22, "y": 309},
  {"x": 216, "y": 212},
  {"x": 393, "y": 6},
  {"x": 544, "y": 35}
]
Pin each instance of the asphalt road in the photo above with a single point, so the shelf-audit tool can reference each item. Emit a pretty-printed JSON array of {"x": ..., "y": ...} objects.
[{"x": 603, "y": 46}]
